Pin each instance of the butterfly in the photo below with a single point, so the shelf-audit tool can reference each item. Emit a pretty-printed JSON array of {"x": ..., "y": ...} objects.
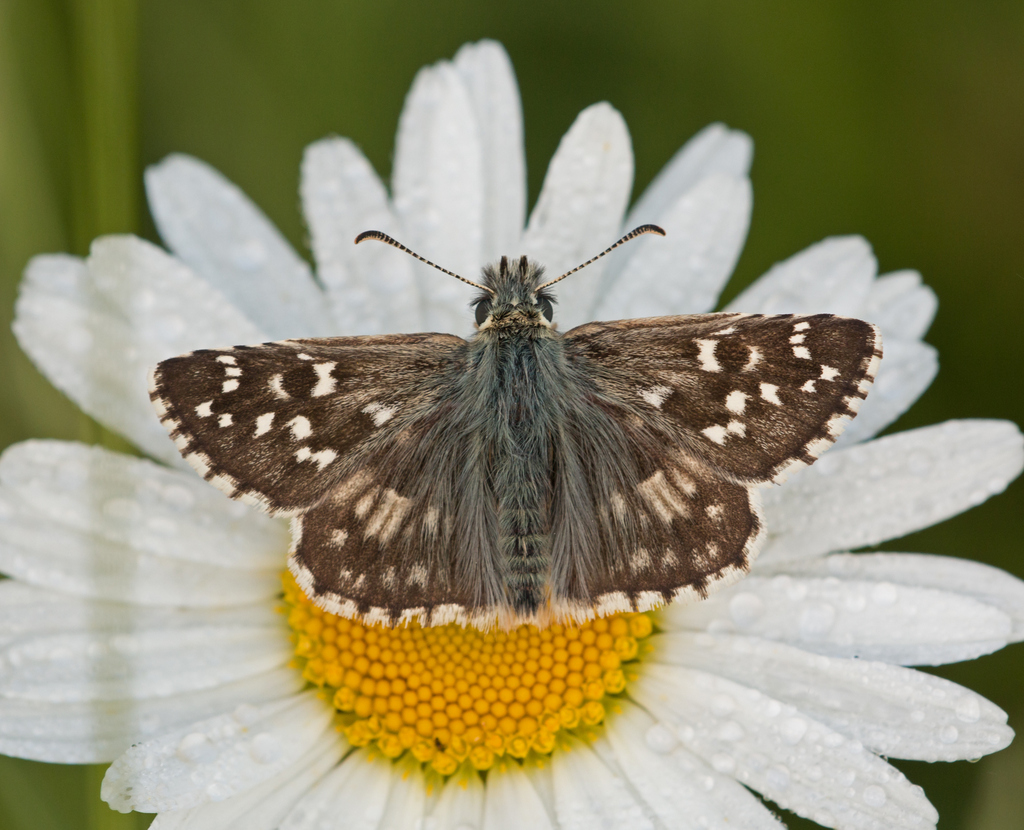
[{"x": 524, "y": 475}]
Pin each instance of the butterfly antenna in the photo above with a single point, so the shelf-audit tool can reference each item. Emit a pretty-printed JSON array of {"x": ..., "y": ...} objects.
[
  {"x": 394, "y": 243},
  {"x": 631, "y": 235}
]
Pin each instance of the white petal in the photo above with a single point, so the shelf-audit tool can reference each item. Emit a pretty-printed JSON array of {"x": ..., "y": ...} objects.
[
  {"x": 97, "y": 732},
  {"x": 136, "y": 503},
  {"x": 438, "y": 186},
  {"x": 96, "y": 332},
  {"x": 212, "y": 225},
  {"x": 849, "y": 618},
  {"x": 906, "y": 371},
  {"x": 512, "y": 801},
  {"x": 833, "y": 276},
  {"x": 893, "y": 711},
  {"x": 353, "y": 796},
  {"x": 460, "y": 804},
  {"x": 487, "y": 72},
  {"x": 900, "y": 305},
  {"x": 822, "y": 776},
  {"x": 85, "y": 665},
  {"x": 714, "y": 150},
  {"x": 407, "y": 798},
  {"x": 588, "y": 795},
  {"x": 683, "y": 272},
  {"x": 27, "y": 611},
  {"x": 262, "y": 807},
  {"x": 889, "y": 487},
  {"x": 579, "y": 211},
  {"x": 678, "y": 788},
  {"x": 216, "y": 758},
  {"x": 990, "y": 585},
  {"x": 370, "y": 288}
]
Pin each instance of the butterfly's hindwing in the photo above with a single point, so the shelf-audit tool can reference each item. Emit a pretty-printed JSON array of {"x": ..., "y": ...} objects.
[{"x": 276, "y": 425}]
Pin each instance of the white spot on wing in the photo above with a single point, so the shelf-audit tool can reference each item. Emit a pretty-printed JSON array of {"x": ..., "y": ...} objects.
[
  {"x": 227, "y": 358},
  {"x": 263, "y": 423},
  {"x": 802, "y": 352},
  {"x": 325, "y": 383},
  {"x": 229, "y": 385},
  {"x": 338, "y": 537},
  {"x": 796, "y": 338},
  {"x": 224, "y": 420},
  {"x": 736, "y": 402},
  {"x": 304, "y": 356},
  {"x": 828, "y": 373},
  {"x": 801, "y": 326},
  {"x": 808, "y": 387},
  {"x": 300, "y": 427},
  {"x": 276, "y": 384},
  {"x": 380, "y": 413},
  {"x": 706, "y": 356},
  {"x": 662, "y": 497},
  {"x": 656, "y": 395},
  {"x": 769, "y": 392},
  {"x": 233, "y": 372},
  {"x": 388, "y": 518},
  {"x": 715, "y": 433},
  {"x": 417, "y": 576},
  {"x": 753, "y": 360},
  {"x": 321, "y": 458},
  {"x": 736, "y": 428},
  {"x": 204, "y": 409}
]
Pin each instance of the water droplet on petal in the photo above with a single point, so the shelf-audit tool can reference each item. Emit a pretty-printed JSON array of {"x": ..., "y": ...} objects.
[
  {"x": 968, "y": 710},
  {"x": 730, "y": 731},
  {"x": 874, "y": 796},
  {"x": 195, "y": 748},
  {"x": 723, "y": 763},
  {"x": 722, "y": 705},
  {"x": 246, "y": 714},
  {"x": 265, "y": 749},
  {"x": 218, "y": 791},
  {"x": 917, "y": 716},
  {"x": 745, "y": 609},
  {"x": 884, "y": 594},
  {"x": 778, "y": 778},
  {"x": 249, "y": 255},
  {"x": 816, "y": 620},
  {"x": 949, "y": 734},
  {"x": 660, "y": 739},
  {"x": 793, "y": 729}
]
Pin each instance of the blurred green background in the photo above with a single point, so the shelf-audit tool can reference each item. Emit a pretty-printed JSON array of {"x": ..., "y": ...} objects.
[{"x": 903, "y": 122}]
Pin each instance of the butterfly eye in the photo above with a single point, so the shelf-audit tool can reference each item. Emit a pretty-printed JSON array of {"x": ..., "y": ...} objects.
[
  {"x": 544, "y": 304},
  {"x": 483, "y": 311}
]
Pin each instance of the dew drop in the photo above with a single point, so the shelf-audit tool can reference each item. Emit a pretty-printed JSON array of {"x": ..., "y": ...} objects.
[
  {"x": 218, "y": 791},
  {"x": 707, "y": 782},
  {"x": 730, "y": 731},
  {"x": 265, "y": 748},
  {"x": 722, "y": 705},
  {"x": 660, "y": 739},
  {"x": 195, "y": 748},
  {"x": 793, "y": 730},
  {"x": 246, "y": 714},
  {"x": 949, "y": 734},
  {"x": 746, "y": 609},
  {"x": 723, "y": 763},
  {"x": 778, "y": 778},
  {"x": 968, "y": 710},
  {"x": 816, "y": 621},
  {"x": 873, "y": 795},
  {"x": 884, "y": 594},
  {"x": 916, "y": 716}
]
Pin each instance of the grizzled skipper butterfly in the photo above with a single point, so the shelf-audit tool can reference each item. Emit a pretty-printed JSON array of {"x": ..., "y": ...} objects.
[{"x": 524, "y": 475}]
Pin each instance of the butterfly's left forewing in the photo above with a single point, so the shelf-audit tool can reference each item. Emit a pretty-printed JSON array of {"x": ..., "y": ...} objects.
[{"x": 711, "y": 406}]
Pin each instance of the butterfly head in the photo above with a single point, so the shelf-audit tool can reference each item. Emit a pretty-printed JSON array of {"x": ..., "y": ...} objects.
[{"x": 512, "y": 298}]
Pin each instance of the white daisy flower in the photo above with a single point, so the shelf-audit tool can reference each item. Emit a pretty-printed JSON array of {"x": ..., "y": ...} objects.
[{"x": 140, "y": 625}]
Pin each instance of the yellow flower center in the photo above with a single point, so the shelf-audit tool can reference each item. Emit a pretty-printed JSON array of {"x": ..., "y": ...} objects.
[{"x": 450, "y": 694}]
